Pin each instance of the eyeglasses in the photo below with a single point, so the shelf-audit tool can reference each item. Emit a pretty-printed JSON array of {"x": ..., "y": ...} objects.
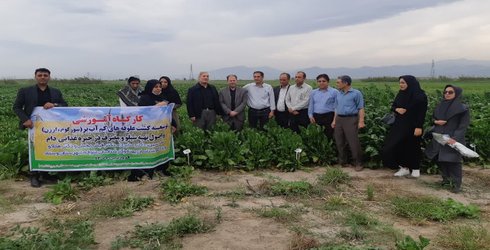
[
  {"x": 321, "y": 80},
  {"x": 41, "y": 75},
  {"x": 449, "y": 92}
]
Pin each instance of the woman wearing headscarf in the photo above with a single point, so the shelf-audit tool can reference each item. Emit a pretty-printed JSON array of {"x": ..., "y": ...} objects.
[
  {"x": 402, "y": 144},
  {"x": 172, "y": 96},
  {"x": 129, "y": 95},
  {"x": 151, "y": 96},
  {"x": 450, "y": 117}
]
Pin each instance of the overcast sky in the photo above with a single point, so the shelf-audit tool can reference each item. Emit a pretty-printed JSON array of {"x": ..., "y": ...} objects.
[{"x": 112, "y": 39}]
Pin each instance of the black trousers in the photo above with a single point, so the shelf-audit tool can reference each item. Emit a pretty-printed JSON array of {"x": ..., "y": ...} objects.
[
  {"x": 300, "y": 119},
  {"x": 401, "y": 148},
  {"x": 257, "y": 118},
  {"x": 282, "y": 118},
  {"x": 325, "y": 120},
  {"x": 451, "y": 172}
]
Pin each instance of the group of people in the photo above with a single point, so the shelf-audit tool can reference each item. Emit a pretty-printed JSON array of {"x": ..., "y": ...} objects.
[{"x": 340, "y": 111}]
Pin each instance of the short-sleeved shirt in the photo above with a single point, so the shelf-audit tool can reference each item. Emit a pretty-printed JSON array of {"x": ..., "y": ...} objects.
[{"x": 349, "y": 103}]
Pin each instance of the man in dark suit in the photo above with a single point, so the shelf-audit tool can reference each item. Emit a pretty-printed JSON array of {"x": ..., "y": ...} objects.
[
  {"x": 39, "y": 95},
  {"x": 203, "y": 103},
  {"x": 281, "y": 113},
  {"x": 233, "y": 101}
]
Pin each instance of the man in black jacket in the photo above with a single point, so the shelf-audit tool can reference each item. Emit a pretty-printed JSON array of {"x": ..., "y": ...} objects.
[
  {"x": 39, "y": 95},
  {"x": 203, "y": 103}
]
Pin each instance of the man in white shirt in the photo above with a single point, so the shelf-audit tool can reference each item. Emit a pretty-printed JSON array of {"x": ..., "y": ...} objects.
[
  {"x": 260, "y": 101},
  {"x": 297, "y": 100},
  {"x": 281, "y": 113}
]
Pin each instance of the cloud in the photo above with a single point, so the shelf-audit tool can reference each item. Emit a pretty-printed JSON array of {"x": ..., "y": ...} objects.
[{"x": 118, "y": 38}]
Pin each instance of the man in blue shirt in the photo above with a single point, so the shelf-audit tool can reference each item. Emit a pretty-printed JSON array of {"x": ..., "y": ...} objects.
[
  {"x": 322, "y": 104},
  {"x": 348, "y": 119}
]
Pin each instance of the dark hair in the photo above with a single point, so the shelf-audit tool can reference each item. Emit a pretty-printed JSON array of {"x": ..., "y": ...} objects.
[
  {"x": 304, "y": 74},
  {"x": 231, "y": 75},
  {"x": 287, "y": 75},
  {"x": 325, "y": 76},
  {"x": 259, "y": 72},
  {"x": 345, "y": 79},
  {"x": 133, "y": 78},
  {"x": 43, "y": 70}
]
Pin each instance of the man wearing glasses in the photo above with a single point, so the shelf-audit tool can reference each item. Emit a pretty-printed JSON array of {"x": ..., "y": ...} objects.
[
  {"x": 321, "y": 108},
  {"x": 39, "y": 95}
]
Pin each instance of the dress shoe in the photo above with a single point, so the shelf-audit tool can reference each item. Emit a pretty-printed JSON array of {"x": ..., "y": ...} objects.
[{"x": 35, "y": 182}]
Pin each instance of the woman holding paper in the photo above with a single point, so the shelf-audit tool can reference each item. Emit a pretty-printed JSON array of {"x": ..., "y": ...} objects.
[{"x": 451, "y": 117}]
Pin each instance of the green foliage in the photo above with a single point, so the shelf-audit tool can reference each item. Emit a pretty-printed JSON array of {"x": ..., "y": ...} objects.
[
  {"x": 224, "y": 150},
  {"x": 158, "y": 236},
  {"x": 430, "y": 208},
  {"x": 175, "y": 189},
  {"x": 334, "y": 177},
  {"x": 78, "y": 235},
  {"x": 60, "y": 192},
  {"x": 94, "y": 180},
  {"x": 284, "y": 144},
  {"x": 410, "y": 244},
  {"x": 181, "y": 172},
  {"x": 193, "y": 139},
  {"x": 320, "y": 149},
  {"x": 257, "y": 149}
]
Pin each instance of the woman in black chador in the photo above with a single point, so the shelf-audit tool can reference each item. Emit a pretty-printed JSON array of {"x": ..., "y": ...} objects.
[
  {"x": 402, "y": 144},
  {"x": 450, "y": 117},
  {"x": 151, "y": 96},
  {"x": 170, "y": 94}
]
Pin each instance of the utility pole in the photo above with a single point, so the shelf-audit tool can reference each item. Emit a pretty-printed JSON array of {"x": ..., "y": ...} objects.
[
  {"x": 191, "y": 74},
  {"x": 433, "y": 70}
]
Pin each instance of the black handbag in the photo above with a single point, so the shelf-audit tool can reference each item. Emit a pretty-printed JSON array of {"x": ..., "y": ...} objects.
[{"x": 389, "y": 118}]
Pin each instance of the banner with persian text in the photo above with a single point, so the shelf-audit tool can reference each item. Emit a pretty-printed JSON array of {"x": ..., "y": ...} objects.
[{"x": 100, "y": 138}]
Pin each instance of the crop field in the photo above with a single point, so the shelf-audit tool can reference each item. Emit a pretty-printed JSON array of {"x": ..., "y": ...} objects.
[{"x": 248, "y": 190}]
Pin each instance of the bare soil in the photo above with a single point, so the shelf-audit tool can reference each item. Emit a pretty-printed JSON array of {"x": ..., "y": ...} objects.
[{"x": 240, "y": 225}]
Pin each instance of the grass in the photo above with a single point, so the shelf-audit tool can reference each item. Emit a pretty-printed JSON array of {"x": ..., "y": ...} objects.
[
  {"x": 335, "y": 202},
  {"x": 159, "y": 235},
  {"x": 431, "y": 208},
  {"x": 334, "y": 177},
  {"x": 281, "y": 214},
  {"x": 300, "y": 241},
  {"x": 175, "y": 189},
  {"x": 370, "y": 192},
  {"x": 123, "y": 207},
  {"x": 286, "y": 188},
  {"x": 465, "y": 237},
  {"x": 61, "y": 235}
]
